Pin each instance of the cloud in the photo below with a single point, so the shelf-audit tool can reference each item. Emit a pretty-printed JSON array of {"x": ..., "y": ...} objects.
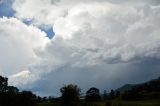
[
  {"x": 103, "y": 76},
  {"x": 103, "y": 32},
  {"x": 99, "y": 39},
  {"x": 17, "y": 45},
  {"x": 53, "y": 9},
  {"x": 26, "y": 76}
]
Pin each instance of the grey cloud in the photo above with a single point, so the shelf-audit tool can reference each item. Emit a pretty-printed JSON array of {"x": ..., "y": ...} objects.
[
  {"x": 92, "y": 44},
  {"x": 104, "y": 76},
  {"x": 101, "y": 43}
]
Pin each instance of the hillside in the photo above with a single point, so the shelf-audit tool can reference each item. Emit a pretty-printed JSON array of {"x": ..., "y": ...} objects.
[
  {"x": 147, "y": 90},
  {"x": 125, "y": 87},
  {"x": 151, "y": 85}
]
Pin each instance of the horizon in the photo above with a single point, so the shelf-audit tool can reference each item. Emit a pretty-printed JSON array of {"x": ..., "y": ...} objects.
[{"x": 45, "y": 44}]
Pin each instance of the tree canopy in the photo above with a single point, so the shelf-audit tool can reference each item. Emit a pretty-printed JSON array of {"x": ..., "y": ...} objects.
[
  {"x": 3, "y": 84},
  {"x": 93, "y": 94},
  {"x": 70, "y": 95}
]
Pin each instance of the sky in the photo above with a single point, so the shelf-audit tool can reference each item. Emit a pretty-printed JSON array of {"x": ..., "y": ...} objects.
[{"x": 45, "y": 44}]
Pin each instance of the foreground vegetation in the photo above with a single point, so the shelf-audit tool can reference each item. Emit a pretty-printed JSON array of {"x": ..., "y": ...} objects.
[
  {"x": 48, "y": 104},
  {"x": 112, "y": 103},
  {"x": 136, "y": 103},
  {"x": 146, "y": 94}
]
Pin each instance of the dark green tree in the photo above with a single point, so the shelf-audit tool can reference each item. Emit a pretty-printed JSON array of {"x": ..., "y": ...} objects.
[
  {"x": 118, "y": 93},
  {"x": 105, "y": 95},
  {"x": 111, "y": 94},
  {"x": 10, "y": 95},
  {"x": 93, "y": 95},
  {"x": 12, "y": 89},
  {"x": 26, "y": 98},
  {"x": 3, "y": 84},
  {"x": 70, "y": 95}
]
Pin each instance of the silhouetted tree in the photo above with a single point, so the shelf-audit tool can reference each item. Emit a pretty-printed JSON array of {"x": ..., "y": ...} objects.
[
  {"x": 118, "y": 93},
  {"x": 10, "y": 95},
  {"x": 44, "y": 99},
  {"x": 39, "y": 99},
  {"x": 105, "y": 95},
  {"x": 70, "y": 95},
  {"x": 148, "y": 90},
  {"x": 3, "y": 84},
  {"x": 12, "y": 89},
  {"x": 111, "y": 94},
  {"x": 93, "y": 95},
  {"x": 131, "y": 95},
  {"x": 27, "y": 98}
]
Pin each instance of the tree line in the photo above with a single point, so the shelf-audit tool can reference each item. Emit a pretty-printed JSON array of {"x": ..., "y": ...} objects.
[
  {"x": 10, "y": 95},
  {"x": 71, "y": 95}
]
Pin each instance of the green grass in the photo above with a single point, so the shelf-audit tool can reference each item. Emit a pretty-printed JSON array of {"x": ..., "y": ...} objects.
[
  {"x": 136, "y": 103},
  {"x": 95, "y": 104},
  {"x": 126, "y": 103},
  {"x": 113, "y": 103},
  {"x": 48, "y": 104}
]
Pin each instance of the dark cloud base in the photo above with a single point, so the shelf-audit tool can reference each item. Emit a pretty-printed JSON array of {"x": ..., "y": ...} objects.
[{"x": 107, "y": 78}]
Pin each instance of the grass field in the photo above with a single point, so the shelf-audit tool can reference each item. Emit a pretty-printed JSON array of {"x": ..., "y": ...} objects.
[
  {"x": 126, "y": 103},
  {"x": 136, "y": 103},
  {"x": 113, "y": 103},
  {"x": 48, "y": 104}
]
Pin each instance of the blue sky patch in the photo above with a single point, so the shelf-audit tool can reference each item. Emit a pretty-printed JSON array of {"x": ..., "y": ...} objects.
[
  {"x": 6, "y": 8},
  {"x": 28, "y": 21},
  {"x": 7, "y": 11},
  {"x": 46, "y": 28}
]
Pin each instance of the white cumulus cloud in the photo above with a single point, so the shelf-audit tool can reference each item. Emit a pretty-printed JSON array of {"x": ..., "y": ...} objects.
[
  {"x": 88, "y": 33},
  {"x": 97, "y": 32},
  {"x": 18, "y": 43}
]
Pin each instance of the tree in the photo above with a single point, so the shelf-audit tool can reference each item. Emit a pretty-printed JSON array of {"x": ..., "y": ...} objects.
[
  {"x": 70, "y": 95},
  {"x": 10, "y": 95},
  {"x": 118, "y": 93},
  {"x": 111, "y": 94},
  {"x": 105, "y": 95},
  {"x": 26, "y": 98},
  {"x": 93, "y": 94},
  {"x": 12, "y": 89},
  {"x": 3, "y": 84}
]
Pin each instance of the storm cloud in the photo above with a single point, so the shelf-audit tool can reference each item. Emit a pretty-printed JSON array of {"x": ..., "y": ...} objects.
[{"x": 102, "y": 43}]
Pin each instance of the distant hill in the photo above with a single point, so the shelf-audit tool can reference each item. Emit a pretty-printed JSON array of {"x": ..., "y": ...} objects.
[
  {"x": 147, "y": 90},
  {"x": 152, "y": 85},
  {"x": 125, "y": 87}
]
